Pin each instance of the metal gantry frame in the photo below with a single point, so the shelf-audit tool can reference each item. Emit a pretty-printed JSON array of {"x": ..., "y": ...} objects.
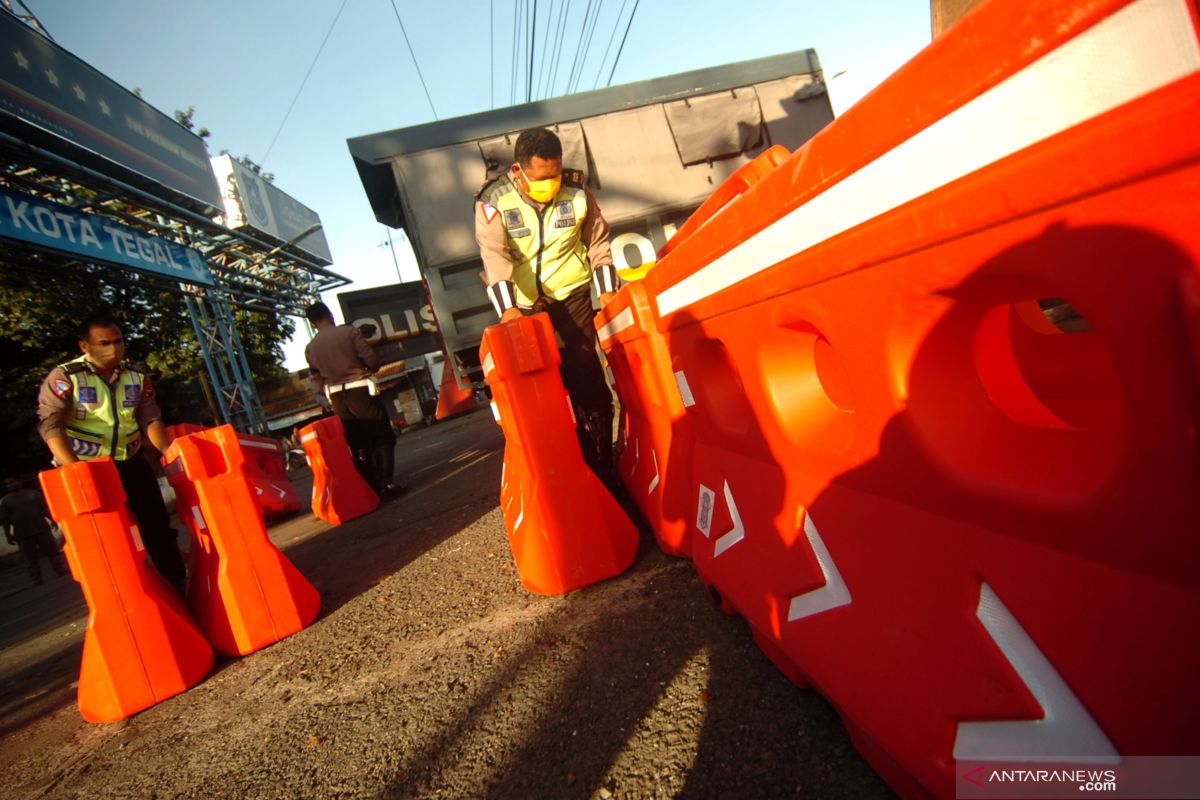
[{"x": 250, "y": 271}]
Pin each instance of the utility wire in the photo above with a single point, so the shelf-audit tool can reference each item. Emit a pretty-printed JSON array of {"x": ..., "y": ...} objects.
[
  {"x": 413, "y": 56},
  {"x": 492, "y": 52},
  {"x": 512, "y": 82},
  {"x": 587, "y": 45},
  {"x": 533, "y": 42},
  {"x": 263, "y": 161},
  {"x": 578, "y": 46},
  {"x": 612, "y": 37},
  {"x": 623, "y": 38},
  {"x": 562, "y": 37},
  {"x": 542, "y": 61}
]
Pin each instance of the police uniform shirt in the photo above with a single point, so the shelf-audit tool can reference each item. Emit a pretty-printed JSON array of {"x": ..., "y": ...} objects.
[
  {"x": 57, "y": 407},
  {"x": 492, "y": 238},
  {"x": 340, "y": 354}
]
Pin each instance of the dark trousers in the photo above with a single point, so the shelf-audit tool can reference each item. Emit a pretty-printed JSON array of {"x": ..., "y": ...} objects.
[
  {"x": 583, "y": 378},
  {"x": 369, "y": 434},
  {"x": 154, "y": 523},
  {"x": 41, "y": 544}
]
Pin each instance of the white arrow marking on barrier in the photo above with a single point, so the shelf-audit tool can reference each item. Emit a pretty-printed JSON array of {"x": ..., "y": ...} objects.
[
  {"x": 834, "y": 594},
  {"x": 654, "y": 482},
  {"x": 1066, "y": 731},
  {"x": 739, "y": 531},
  {"x": 636, "y": 455},
  {"x": 282, "y": 492},
  {"x": 258, "y": 490}
]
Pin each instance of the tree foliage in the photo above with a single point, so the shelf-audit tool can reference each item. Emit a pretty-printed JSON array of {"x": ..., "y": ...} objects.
[{"x": 42, "y": 306}]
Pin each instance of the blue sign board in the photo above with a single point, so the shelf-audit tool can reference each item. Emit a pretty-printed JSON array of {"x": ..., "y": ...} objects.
[
  {"x": 55, "y": 100},
  {"x": 92, "y": 238}
]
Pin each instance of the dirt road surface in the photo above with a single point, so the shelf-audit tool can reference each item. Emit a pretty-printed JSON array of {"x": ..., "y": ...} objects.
[{"x": 432, "y": 673}]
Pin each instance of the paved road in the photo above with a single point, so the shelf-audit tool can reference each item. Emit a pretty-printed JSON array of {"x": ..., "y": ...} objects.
[{"x": 431, "y": 673}]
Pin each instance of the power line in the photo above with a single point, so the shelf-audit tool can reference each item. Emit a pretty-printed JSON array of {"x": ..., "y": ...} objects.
[
  {"x": 492, "y": 52},
  {"x": 622, "y": 47},
  {"x": 263, "y": 161},
  {"x": 612, "y": 37},
  {"x": 512, "y": 82},
  {"x": 562, "y": 37},
  {"x": 544, "y": 68},
  {"x": 533, "y": 42},
  {"x": 413, "y": 56},
  {"x": 587, "y": 46},
  {"x": 578, "y": 46}
]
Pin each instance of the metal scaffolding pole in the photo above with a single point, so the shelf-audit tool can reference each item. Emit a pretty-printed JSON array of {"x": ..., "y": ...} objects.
[{"x": 221, "y": 349}]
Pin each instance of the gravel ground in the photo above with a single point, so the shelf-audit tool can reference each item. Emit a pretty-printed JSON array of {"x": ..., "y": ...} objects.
[{"x": 432, "y": 673}]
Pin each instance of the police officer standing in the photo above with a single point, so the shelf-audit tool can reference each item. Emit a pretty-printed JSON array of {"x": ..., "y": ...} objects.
[
  {"x": 342, "y": 363},
  {"x": 544, "y": 245},
  {"x": 98, "y": 405}
]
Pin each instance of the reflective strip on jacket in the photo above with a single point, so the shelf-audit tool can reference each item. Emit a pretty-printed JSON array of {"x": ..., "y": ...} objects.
[
  {"x": 103, "y": 420},
  {"x": 548, "y": 244}
]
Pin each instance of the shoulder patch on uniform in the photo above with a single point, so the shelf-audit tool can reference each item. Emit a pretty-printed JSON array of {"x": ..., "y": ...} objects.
[
  {"x": 573, "y": 177},
  {"x": 72, "y": 367},
  {"x": 489, "y": 211},
  {"x": 61, "y": 387}
]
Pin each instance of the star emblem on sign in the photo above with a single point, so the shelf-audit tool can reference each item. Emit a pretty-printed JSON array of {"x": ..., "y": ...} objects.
[
  {"x": 104, "y": 108},
  {"x": 22, "y": 61},
  {"x": 80, "y": 93},
  {"x": 52, "y": 77}
]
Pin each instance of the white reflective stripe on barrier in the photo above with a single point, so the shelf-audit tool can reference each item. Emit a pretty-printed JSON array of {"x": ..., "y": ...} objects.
[
  {"x": 264, "y": 445},
  {"x": 685, "y": 390},
  {"x": 617, "y": 324},
  {"x": 1139, "y": 49},
  {"x": 308, "y": 437}
]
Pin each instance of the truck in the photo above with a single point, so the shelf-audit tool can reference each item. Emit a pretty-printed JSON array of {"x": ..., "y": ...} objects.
[{"x": 650, "y": 152}]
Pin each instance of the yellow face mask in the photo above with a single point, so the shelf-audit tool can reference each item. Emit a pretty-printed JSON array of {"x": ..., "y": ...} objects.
[{"x": 542, "y": 191}]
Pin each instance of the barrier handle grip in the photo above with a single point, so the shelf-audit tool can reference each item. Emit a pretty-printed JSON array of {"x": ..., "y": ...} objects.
[{"x": 734, "y": 187}]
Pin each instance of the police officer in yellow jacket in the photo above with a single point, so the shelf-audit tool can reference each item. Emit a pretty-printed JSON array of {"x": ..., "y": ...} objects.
[
  {"x": 544, "y": 245},
  {"x": 97, "y": 405}
]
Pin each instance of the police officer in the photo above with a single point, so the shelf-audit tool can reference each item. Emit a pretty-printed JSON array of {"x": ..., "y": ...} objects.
[
  {"x": 544, "y": 245},
  {"x": 341, "y": 364},
  {"x": 98, "y": 405}
]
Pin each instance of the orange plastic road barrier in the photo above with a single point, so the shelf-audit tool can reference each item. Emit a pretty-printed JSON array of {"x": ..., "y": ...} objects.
[
  {"x": 452, "y": 398},
  {"x": 339, "y": 491},
  {"x": 944, "y": 397},
  {"x": 266, "y": 467},
  {"x": 565, "y": 529},
  {"x": 245, "y": 593},
  {"x": 142, "y": 645},
  {"x": 731, "y": 189},
  {"x": 655, "y": 420}
]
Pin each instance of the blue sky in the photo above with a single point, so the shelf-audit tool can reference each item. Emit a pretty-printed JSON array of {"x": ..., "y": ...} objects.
[{"x": 241, "y": 62}]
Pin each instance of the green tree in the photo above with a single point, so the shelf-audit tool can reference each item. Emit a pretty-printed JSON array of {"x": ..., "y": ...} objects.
[{"x": 42, "y": 305}]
